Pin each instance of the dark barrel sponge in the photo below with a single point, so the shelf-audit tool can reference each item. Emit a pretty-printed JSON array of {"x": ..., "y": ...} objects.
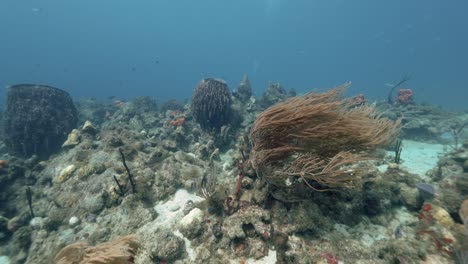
[
  {"x": 211, "y": 104},
  {"x": 38, "y": 119}
]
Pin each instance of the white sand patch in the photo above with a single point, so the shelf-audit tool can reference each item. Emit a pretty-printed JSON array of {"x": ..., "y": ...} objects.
[
  {"x": 172, "y": 211},
  {"x": 4, "y": 260},
  {"x": 188, "y": 246},
  {"x": 418, "y": 157}
]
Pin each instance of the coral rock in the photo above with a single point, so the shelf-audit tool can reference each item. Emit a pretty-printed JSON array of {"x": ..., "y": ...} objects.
[
  {"x": 65, "y": 173},
  {"x": 167, "y": 246},
  {"x": 244, "y": 90},
  {"x": 72, "y": 140},
  {"x": 256, "y": 216},
  {"x": 89, "y": 128},
  {"x": 74, "y": 221},
  {"x": 464, "y": 213},
  {"x": 191, "y": 224}
]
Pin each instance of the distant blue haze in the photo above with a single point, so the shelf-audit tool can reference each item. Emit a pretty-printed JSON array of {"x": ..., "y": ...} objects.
[{"x": 163, "y": 48}]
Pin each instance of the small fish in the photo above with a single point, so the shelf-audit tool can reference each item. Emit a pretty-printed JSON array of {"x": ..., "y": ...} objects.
[{"x": 36, "y": 10}]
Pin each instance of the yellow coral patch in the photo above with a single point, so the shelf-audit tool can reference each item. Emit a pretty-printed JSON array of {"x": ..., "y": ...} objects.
[{"x": 442, "y": 217}]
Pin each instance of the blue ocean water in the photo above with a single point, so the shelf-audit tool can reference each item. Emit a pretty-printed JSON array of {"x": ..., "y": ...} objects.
[{"x": 163, "y": 48}]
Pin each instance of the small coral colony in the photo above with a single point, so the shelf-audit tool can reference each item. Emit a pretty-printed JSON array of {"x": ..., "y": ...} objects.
[{"x": 231, "y": 177}]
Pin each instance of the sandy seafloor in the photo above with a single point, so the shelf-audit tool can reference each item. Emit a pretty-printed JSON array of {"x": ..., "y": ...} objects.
[{"x": 418, "y": 157}]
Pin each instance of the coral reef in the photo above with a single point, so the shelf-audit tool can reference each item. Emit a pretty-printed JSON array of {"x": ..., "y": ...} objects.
[
  {"x": 424, "y": 122},
  {"x": 244, "y": 90},
  {"x": 275, "y": 93},
  {"x": 171, "y": 105},
  {"x": 197, "y": 200},
  {"x": 94, "y": 110}
]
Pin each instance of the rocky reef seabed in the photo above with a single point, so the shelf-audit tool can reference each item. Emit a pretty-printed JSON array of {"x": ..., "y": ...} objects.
[{"x": 146, "y": 182}]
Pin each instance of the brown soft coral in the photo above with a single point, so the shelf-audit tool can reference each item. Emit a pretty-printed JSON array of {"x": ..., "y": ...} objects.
[
  {"x": 119, "y": 251},
  {"x": 319, "y": 137}
]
